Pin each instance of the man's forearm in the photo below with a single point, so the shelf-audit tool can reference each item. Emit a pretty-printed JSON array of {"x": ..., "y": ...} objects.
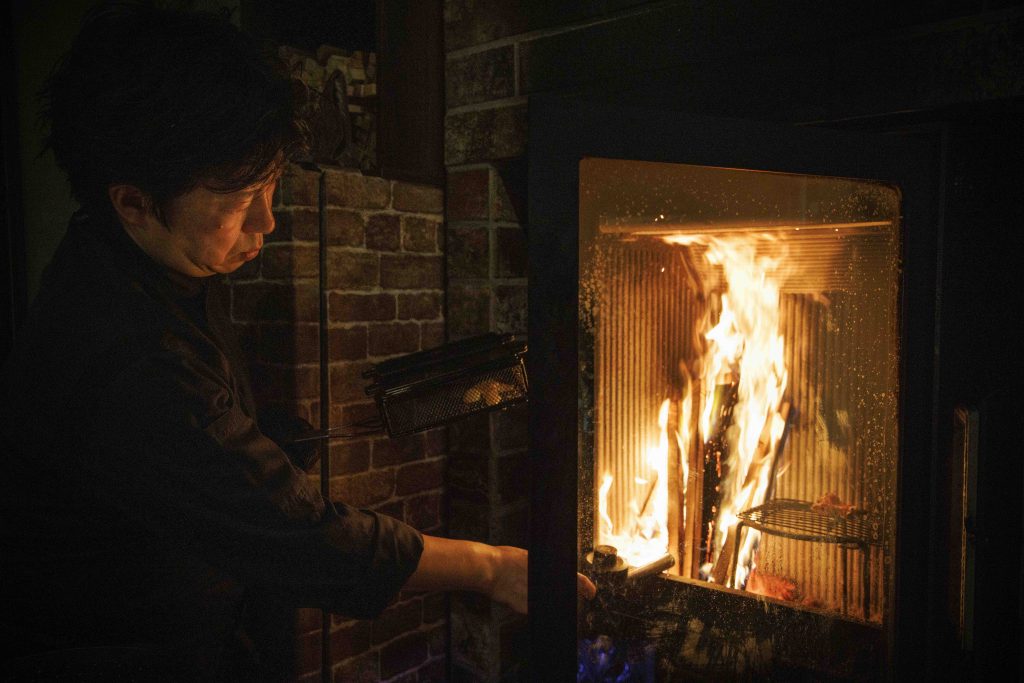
[{"x": 448, "y": 564}]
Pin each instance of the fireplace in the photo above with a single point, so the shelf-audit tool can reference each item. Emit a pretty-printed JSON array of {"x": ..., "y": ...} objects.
[
  {"x": 739, "y": 353},
  {"x": 729, "y": 330}
]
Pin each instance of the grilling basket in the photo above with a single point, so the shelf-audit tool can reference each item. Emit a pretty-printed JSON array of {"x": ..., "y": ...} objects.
[{"x": 432, "y": 388}]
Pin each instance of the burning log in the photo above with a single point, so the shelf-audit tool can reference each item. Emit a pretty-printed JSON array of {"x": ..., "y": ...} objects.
[
  {"x": 761, "y": 582},
  {"x": 769, "y": 585},
  {"x": 715, "y": 449},
  {"x": 721, "y": 573},
  {"x": 690, "y": 546}
]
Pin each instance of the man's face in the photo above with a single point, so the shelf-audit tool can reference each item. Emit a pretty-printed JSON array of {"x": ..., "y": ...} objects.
[{"x": 210, "y": 232}]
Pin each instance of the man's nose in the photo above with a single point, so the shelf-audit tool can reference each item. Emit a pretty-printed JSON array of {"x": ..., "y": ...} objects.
[{"x": 260, "y": 217}]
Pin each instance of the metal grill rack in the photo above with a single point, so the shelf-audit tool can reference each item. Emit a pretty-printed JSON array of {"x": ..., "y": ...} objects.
[
  {"x": 431, "y": 388},
  {"x": 796, "y": 519}
]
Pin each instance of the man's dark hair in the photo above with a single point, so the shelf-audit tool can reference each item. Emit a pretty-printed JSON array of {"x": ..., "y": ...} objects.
[{"x": 167, "y": 101}]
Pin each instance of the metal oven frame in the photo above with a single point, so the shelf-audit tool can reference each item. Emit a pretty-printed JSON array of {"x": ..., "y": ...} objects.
[{"x": 565, "y": 129}]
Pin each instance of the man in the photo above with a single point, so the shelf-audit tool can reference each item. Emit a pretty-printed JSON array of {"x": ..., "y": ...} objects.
[{"x": 141, "y": 499}]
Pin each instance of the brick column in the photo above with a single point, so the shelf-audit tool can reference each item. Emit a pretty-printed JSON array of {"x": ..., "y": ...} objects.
[
  {"x": 384, "y": 260},
  {"x": 486, "y": 266}
]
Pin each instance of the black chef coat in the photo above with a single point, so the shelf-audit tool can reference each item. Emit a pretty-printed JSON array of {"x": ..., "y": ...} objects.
[{"x": 139, "y": 498}]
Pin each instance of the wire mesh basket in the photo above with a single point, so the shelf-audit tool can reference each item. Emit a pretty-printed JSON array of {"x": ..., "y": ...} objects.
[{"x": 432, "y": 388}]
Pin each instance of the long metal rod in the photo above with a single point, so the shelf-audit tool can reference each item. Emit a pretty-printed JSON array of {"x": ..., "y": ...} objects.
[
  {"x": 325, "y": 397},
  {"x": 337, "y": 433}
]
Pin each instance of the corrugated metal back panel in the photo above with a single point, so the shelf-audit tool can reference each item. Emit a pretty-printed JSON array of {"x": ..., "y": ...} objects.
[{"x": 642, "y": 333}]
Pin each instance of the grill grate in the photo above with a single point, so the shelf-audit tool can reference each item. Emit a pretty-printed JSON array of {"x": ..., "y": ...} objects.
[{"x": 796, "y": 519}]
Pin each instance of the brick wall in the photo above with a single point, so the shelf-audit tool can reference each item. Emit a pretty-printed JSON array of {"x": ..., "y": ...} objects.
[{"x": 385, "y": 278}]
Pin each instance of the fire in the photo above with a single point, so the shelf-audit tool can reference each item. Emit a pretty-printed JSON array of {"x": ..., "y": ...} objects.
[
  {"x": 745, "y": 347},
  {"x": 646, "y": 538}
]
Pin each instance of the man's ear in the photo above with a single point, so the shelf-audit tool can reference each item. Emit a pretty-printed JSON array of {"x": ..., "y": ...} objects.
[{"x": 132, "y": 205}]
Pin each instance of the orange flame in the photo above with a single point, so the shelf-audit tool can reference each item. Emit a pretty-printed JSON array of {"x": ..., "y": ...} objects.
[
  {"x": 745, "y": 343},
  {"x": 646, "y": 537}
]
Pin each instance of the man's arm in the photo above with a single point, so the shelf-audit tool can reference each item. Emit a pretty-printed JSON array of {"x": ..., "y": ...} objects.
[{"x": 496, "y": 571}]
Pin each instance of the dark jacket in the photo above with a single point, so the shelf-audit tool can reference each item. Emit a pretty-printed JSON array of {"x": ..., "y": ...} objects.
[{"x": 139, "y": 498}]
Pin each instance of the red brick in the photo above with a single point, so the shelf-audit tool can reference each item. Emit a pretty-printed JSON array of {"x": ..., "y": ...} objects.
[
  {"x": 514, "y": 639},
  {"x": 352, "y": 189},
  {"x": 410, "y": 271},
  {"x": 308, "y": 619},
  {"x": 420, "y": 476},
  {"x": 468, "y": 252},
  {"x": 513, "y": 484},
  {"x": 345, "y": 228},
  {"x": 403, "y": 654},
  {"x": 431, "y": 335},
  {"x": 396, "y": 620},
  {"x": 347, "y": 382},
  {"x": 510, "y": 309},
  {"x": 435, "y": 607},
  {"x": 307, "y": 652},
  {"x": 469, "y": 520},
  {"x": 417, "y": 198},
  {"x": 403, "y": 449},
  {"x": 469, "y": 311},
  {"x": 349, "y": 457},
  {"x": 299, "y": 187},
  {"x": 510, "y": 251},
  {"x": 362, "y": 669},
  {"x": 435, "y": 442},
  {"x": 423, "y": 512},
  {"x": 349, "y": 641},
  {"x": 357, "y": 414},
  {"x": 346, "y": 308},
  {"x": 387, "y": 339},
  {"x": 510, "y": 184},
  {"x": 300, "y": 225},
  {"x": 352, "y": 269},
  {"x": 468, "y": 194},
  {"x": 484, "y": 135},
  {"x": 419, "y": 306},
  {"x": 471, "y": 436},
  {"x": 271, "y": 301},
  {"x": 510, "y": 428},
  {"x": 480, "y": 76},
  {"x": 420, "y": 234},
  {"x": 364, "y": 489},
  {"x": 437, "y": 640},
  {"x": 512, "y": 526},
  {"x": 433, "y": 671},
  {"x": 347, "y": 343},
  {"x": 287, "y": 261},
  {"x": 383, "y": 232},
  {"x": 469, "y": 478},
  {"x": 287, "y": 343}
]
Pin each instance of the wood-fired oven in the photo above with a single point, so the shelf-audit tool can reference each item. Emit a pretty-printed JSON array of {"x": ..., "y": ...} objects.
[{"x": 731, "y": 331}]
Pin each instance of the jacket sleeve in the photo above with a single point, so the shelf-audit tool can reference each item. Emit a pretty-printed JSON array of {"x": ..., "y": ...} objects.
[{"x": 167, "y": 443}]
